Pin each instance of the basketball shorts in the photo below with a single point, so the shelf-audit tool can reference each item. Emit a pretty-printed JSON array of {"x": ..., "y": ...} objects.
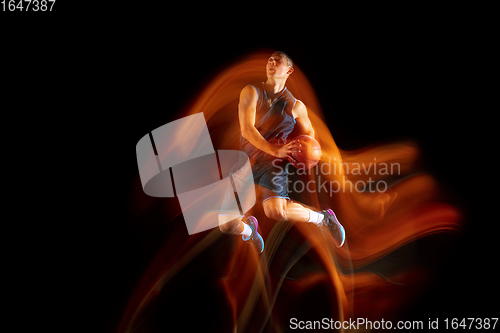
[{"x": 273, "y": 176}]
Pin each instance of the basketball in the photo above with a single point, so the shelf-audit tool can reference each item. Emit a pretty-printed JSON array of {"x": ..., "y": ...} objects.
[{"x": 310, "y": 153}]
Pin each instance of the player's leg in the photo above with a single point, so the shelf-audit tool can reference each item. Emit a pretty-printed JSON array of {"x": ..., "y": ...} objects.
[
  {"x": 246, "y": 227},
  {"x": 233, "y": 227},
  {"x": 283, "y": 209}
]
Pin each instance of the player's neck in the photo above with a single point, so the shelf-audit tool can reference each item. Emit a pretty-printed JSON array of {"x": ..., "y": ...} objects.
[{"x": 275, "y": 86}]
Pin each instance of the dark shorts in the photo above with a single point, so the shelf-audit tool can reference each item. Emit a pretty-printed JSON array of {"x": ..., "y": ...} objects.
[{"x": 274, "y": 177}]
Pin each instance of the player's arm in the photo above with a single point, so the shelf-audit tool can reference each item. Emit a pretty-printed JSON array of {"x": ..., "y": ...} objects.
[
  {"x": 302, "y": 119},
  {"x": 246, "y": 113}
]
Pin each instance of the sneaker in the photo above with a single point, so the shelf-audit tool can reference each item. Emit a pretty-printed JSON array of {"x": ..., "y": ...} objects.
[
  {"x": 255, "y": 238},
  {"x": 336, "y": 229}
]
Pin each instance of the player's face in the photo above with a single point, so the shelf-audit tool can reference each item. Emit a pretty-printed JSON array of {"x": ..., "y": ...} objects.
[{"x": 277, "y": 66}]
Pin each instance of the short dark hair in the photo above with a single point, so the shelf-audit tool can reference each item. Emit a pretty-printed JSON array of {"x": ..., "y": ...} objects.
[{"x": 289, "y": 61}]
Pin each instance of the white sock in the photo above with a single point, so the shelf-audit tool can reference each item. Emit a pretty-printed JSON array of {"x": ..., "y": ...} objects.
[
  {"x": 247, "y": 231},
  {"x": 315, "y": 217}
]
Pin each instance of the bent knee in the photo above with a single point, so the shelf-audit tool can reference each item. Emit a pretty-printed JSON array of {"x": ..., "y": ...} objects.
[{"x": 275, "y": 212}]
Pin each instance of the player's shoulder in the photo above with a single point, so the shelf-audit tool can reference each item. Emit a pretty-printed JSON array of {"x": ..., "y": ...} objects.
[
  {"x": 299, "y": 107},
  {"x": 249, "y": 91}
]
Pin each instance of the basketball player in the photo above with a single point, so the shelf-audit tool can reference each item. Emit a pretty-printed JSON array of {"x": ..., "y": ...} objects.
[{"x": 268, "y": 113}]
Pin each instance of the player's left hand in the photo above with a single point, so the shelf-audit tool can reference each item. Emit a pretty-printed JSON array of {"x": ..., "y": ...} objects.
[{"x": 287, "y": 150}]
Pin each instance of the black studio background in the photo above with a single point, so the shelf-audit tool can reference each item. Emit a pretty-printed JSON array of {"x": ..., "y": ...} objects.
[
  {"x": 372, "y": 89},
  {"x": 115, "y": 75}
]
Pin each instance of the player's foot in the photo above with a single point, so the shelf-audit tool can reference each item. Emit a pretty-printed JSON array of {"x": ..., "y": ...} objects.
[
  {"x": 336, "y": 229},
  {"x": 255, "y": 237}
]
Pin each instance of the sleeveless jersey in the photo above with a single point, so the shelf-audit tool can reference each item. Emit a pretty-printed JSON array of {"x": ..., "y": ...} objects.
[{"x": 274, "y": 122}]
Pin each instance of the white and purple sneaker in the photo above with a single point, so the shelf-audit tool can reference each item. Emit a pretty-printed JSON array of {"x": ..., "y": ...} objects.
[
  {"x": 255, "y": 238},
  {"x": 336, "y": 229}
]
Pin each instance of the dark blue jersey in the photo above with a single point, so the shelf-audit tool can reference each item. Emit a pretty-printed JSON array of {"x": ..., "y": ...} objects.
[{"x": 274, "y": 122}]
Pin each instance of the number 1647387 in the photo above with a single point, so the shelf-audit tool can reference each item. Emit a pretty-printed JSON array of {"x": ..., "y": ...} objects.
[{"x": 27, "y": 5}]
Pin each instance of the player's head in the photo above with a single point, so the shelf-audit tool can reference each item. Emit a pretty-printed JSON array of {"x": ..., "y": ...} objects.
[{"x": 279, "y": 65}]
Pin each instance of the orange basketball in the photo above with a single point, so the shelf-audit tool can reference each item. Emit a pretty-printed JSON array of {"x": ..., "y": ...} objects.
[{"x": 310, "y": 153}]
